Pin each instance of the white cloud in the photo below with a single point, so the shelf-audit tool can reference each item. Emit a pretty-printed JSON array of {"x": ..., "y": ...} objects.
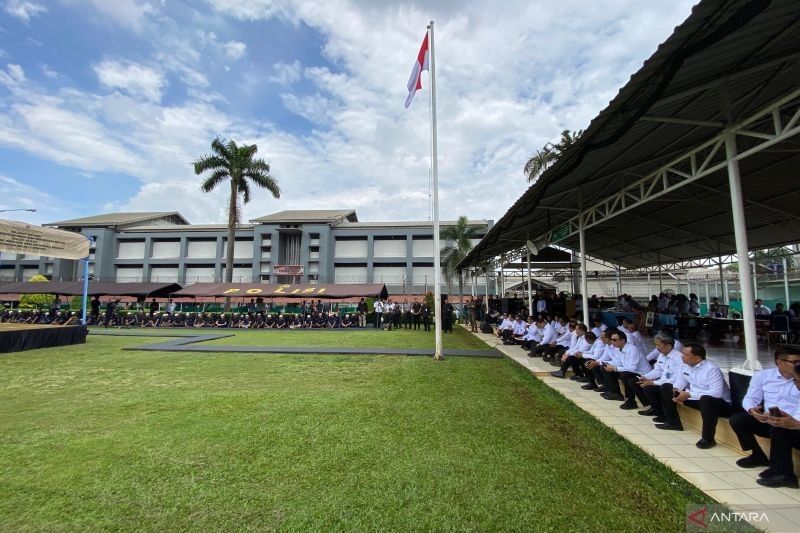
[
  {"x": 131, "y": 14},
  {"x": 234, "y": 50},
  {"x": 506, "y": 86},
  {"x": 286, "y": 73},
  {"x": 131, "y": 78},
  {"x": 48, "y": 72},
  {"x": 23, "y": 9},
  {"x": 17, "y": 195}
]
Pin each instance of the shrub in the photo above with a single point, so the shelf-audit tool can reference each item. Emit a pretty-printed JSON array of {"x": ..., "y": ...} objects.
[{"x": 37, "y": 301}]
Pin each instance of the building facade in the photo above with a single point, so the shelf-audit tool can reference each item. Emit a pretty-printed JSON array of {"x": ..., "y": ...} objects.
[{"x": 302, "y": 246}]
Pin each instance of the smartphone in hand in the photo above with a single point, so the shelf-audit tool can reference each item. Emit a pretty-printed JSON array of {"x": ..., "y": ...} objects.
[{"x": 774, "y": 411}]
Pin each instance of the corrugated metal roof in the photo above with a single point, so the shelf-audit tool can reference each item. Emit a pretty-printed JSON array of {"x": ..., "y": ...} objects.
[
  {"x": 749, "y": 48},
  {"x": 116, "y": 219},
  {"x": 309, "y": 216}
]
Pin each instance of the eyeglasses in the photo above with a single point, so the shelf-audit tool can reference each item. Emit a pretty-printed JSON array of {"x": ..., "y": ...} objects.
[{"x": 616, "y": 338}]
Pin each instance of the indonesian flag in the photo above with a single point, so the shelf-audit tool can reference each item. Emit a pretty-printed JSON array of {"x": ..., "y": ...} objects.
[{"x": 415, "y": 81}]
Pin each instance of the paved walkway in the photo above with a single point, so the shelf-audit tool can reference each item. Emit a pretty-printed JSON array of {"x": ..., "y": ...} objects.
[
  {"x": 713, "y": 471},
  {"x": 190, "y": 343}
]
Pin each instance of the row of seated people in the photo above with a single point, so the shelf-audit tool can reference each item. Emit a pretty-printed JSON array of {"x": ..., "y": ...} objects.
[
  {"x": 672, "y": 374},
  {"x": 35, "y": 316},
  {"x": 222, "y": 320}
]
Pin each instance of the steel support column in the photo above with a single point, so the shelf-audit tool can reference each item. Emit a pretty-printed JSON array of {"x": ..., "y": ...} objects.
[
  {"x": 530, "y": 295},
  {"x": 740, "y": 231},
  {"x": 584, "y": 280}
]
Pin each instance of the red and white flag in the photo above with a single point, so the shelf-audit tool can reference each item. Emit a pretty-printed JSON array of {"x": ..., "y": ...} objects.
[{"x": 415, "y": 81}]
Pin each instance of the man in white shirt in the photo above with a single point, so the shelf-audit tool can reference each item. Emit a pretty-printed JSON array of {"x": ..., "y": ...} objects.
[
  {"x": 762, "y": 311},
  {"x": 652, "y": 356},
  {"x": 668, "y": 365},
  {"x": 627, "y": 361},
  {"x": 547, "y": 341},
  {"x": 700, "y": 386},
  {"x": 563, "y": 343},
  {"x": 529, "y": 340},
  {"x": 768, "y": 389},
  {"x": 520, "y": 328},
  {"x": 378, "y": 312},
  {"x": 635, "y": 337},
  {"x": 573, "y": 356},
  {"x": 600, "y": 354},
  {"x": 784, "y": 436}
]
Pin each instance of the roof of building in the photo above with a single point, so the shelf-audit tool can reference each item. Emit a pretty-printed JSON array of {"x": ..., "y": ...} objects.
[
  {"x": 307, "y": 216},
  {"x": 117, "y": 219},
  {"x": 407, "y": 224},
  {"x": 655, "y": 158},
  {"x": 191, "y": 227}
]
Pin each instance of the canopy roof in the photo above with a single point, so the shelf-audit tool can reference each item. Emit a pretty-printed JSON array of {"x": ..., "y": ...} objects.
[
  {"x": 650, "y": 172},
  {"x": 255, "y": 290},
  {"x": 96, "y": 288}
]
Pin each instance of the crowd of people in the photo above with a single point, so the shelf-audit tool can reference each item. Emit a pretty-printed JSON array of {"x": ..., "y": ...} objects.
[{"x": 618, "y": 364}]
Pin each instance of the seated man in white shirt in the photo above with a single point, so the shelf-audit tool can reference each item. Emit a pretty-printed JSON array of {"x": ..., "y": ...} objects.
[
  {"x": 768, "y": 389},
  {"x": 547, "y": 341},
  {"x": 627, "y": 362},
  {"x": 635, "y": 337},
  {"x": 520, "y": 328},
  {"x": 593, "y": 362},
  {"x": 652, "y": 356},
  {"x": 531, "y": 337},
  {"x": 573, "y": 357},
  {"x": 701, "y": 386},
  {"x": 505, "y": 324},
  {"x": 563, "y": 343},
  {"x": 785, "y": 436},
  {"x": 668, "y": 365}
]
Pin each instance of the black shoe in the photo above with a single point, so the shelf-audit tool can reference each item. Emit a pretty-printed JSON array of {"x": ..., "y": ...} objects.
[
  {"x": 753, "y": 461},
  {"x": 557, "y": 374},
  {"x": 589, "y": 386},
  {"x": 555, "y": 363},
  {"x": 576, "y": 377},
  {"x": 768, "y": 473},
  {"x": 671, "y": 427},
  {"x": 780, "y": 480},
  {"x": 628, "y": 405},
  {"x": 658, "y": 419},
  {"x": 601, "y": 388},
  {"x": 582, "y": 379},
  {"x": 613, "y": 396},
  {"x": 648, "y": 412},
  {"x": 704, "y": 444}
]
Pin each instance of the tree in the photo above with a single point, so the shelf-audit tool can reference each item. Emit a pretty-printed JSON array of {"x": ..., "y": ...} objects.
[
  {"x": 549, "y": 154},
  {"x": 37, "y": 301},
  {"x": 460, "y": 234},
  {"x": 236, "y": 165}
]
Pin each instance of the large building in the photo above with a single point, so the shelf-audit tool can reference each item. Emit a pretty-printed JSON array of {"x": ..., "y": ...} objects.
[{"x": 304, "y": 246}]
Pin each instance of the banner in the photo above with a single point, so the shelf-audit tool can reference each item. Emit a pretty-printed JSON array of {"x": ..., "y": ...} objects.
[
  {"x": 287, "y": 270},
  {"x": 24, "y": 238}
]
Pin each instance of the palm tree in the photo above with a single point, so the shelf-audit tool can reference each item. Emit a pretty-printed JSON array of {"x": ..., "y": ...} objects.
[
  {"x": 460, "y": 235},
  {"x": 549, "y": 154},
  {"x": 235, "y": 164}
]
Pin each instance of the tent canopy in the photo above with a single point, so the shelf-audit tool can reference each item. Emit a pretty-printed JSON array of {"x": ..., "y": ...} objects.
[
  {"x": 648, "y": 180},
  {"x": 256, "y": 290},
  {"x": 96, "y": 288}
]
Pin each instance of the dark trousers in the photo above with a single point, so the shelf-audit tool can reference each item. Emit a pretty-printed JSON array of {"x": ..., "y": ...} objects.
[
  {"x": 746, "y": 428},
  {"x": 543, "y": 349},
  {"x": 377, "y": 320},
  {"x": 654, "y": 395},
  {"x": 611, "y": 380},
  {"x": 426, "y": 322},
  {"x": 447, "y": 326},
  {"x": 578, "y": 365},
  {"x": 416, "y": 321},
  {"x": 710, "y": 410},
  {"x": 780, "y": 452},
  {"x": 632, "y": 386},
  {"x": 528, "y": 345}
]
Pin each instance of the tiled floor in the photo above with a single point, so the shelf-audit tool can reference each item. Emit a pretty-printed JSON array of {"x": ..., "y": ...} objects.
[{"x": 713, "y": 471}]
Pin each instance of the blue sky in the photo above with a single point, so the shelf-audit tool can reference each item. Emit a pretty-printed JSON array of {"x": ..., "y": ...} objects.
[{"x": 105, "y": 104}]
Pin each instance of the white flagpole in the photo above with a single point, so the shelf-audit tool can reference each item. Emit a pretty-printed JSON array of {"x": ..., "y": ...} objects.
[{"x": 437, "y": 267}]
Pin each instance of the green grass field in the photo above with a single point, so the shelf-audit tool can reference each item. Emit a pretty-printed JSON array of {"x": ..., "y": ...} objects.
[{"x": 98, "y": 438}]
